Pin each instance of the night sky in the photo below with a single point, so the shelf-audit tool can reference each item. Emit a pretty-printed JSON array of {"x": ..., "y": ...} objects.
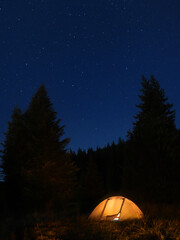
[{"x": 90, "y": 55}]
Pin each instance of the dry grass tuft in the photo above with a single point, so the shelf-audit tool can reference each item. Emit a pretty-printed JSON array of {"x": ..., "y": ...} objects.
[{"x": 147, "y": 229}]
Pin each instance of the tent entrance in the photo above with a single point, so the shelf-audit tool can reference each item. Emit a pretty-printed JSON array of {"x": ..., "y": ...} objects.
[{"x": 112, "y": 209}]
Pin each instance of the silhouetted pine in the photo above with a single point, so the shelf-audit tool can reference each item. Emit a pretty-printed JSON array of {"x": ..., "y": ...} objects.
[
  {"x": 35, "y": 161},
  {"x": 81, "y": 161},
  {"x": 12, "y": 160},
  {"x": 151, "y": 145}
]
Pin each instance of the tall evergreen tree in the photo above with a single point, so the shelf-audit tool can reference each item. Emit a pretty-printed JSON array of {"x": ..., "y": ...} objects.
[
  {"x": 12, "y": 160},
  {"x": 35, "y": 159},
  {"x": 151, "y": 152},
  {"x": 156, "y": 118}
]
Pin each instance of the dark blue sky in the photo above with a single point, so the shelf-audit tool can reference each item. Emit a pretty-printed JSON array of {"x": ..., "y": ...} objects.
[{"x": 90, "y": 55}]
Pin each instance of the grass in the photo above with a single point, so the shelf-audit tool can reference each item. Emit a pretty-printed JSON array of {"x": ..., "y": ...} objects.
[
  {"x": 159, "y": 223},
  {"x": 82, "y": 229}
]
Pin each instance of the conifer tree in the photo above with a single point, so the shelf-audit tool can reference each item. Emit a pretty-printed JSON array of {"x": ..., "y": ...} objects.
[
  {"x": 156, "y": 119},
  {"x": 151, "y": 152},
  {"x": 35, "y": 156},
  {"x": 12, "y": 160}
]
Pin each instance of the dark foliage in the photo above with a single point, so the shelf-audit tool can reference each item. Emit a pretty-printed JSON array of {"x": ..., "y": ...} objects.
[
  {"x": 40, "y": 175},
  {"x": 100, "y": 173},
  {"x": 151, "y": 164},
  {"x": 146, "y": 166},
  {"x": 38, "y": 171}
]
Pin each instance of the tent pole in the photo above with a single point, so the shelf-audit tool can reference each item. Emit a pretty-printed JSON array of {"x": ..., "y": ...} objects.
[
  {"x": 121, "y": 207},
  {"x": 104, "y": 208}
]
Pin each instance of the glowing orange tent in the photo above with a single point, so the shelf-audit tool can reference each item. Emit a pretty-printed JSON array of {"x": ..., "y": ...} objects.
[{"x": 116, "y": 208}]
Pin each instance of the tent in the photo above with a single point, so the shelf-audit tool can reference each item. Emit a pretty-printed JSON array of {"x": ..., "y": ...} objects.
[{"x": 116, "y": 208}]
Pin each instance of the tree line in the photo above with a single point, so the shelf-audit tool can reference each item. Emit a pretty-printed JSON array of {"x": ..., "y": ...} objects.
[{"x": 42, "y": 176}]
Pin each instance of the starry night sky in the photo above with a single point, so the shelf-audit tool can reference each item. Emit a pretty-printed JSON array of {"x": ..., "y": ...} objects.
[{"x": 90, "y": 55}]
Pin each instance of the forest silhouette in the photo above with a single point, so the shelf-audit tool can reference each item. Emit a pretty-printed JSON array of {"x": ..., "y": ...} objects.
[{"x": 41, "y": 176}]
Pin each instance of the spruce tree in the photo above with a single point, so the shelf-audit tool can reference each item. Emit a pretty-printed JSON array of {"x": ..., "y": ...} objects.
[
  {"x": 151, "y": 152},
  {"x": 35, "y": 157},
  {"x": 156, "y": 119},
  {"x": 12, "y": 160}
]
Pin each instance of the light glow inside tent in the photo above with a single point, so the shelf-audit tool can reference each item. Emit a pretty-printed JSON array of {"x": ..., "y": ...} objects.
[
  {"x": 112, "y": 207},
  {"x": 116, "y": 208},
  {"x": 116, "y": 218}
]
